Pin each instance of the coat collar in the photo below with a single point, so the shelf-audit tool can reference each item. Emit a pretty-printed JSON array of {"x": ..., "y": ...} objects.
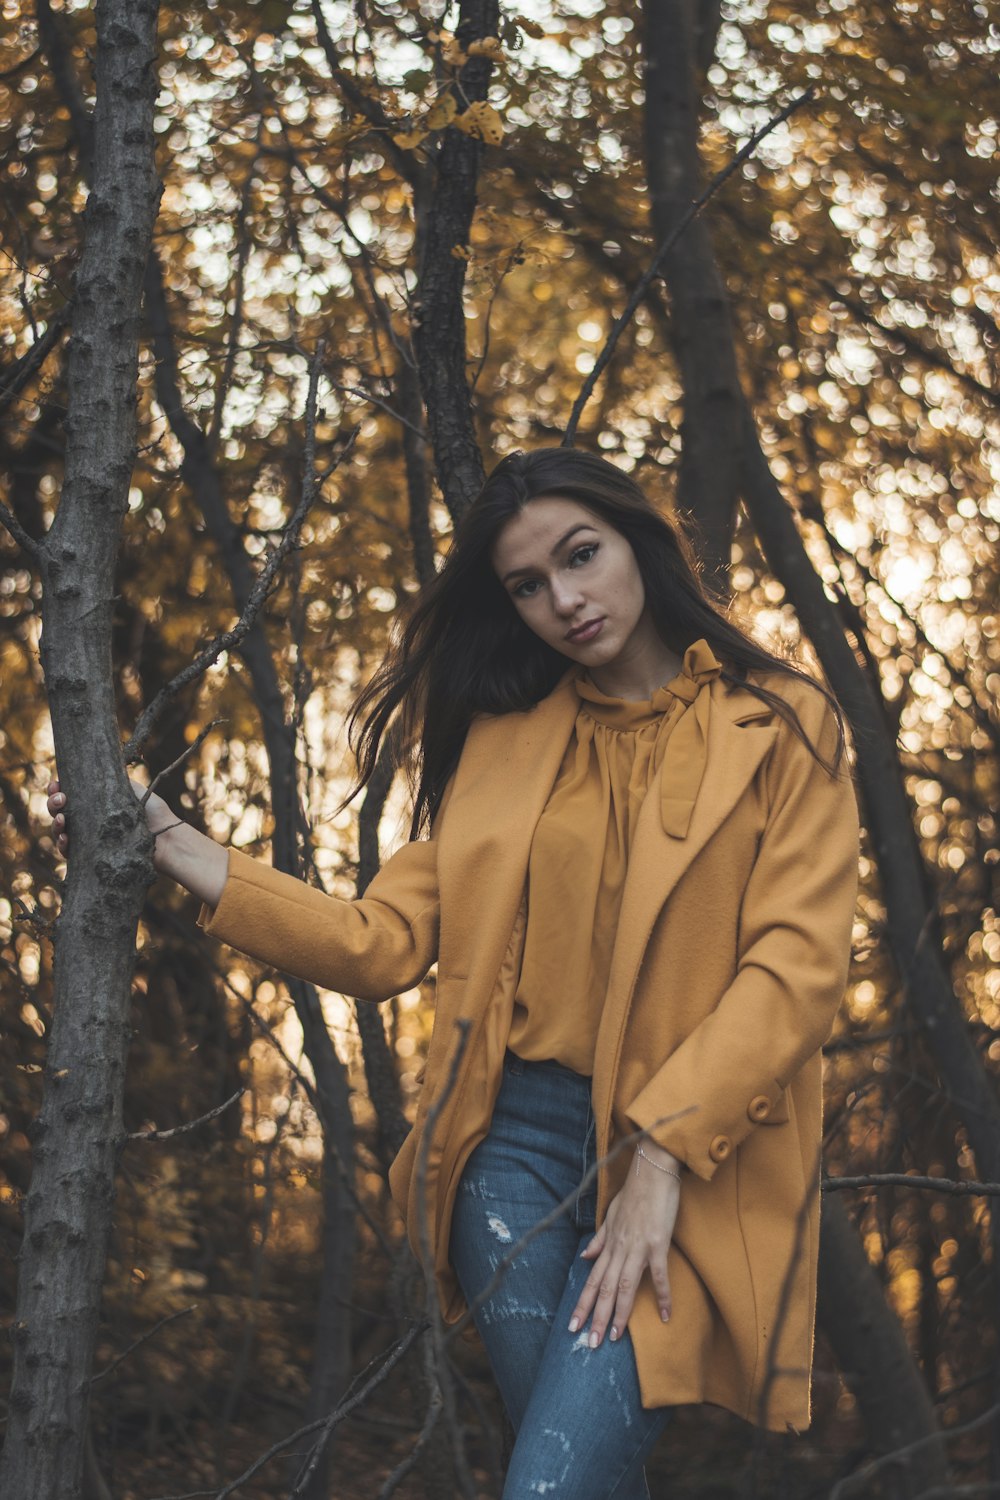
[{"x": 506, "y": 772}]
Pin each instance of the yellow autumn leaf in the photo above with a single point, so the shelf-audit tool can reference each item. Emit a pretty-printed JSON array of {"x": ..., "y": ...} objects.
[
  {"x": 442, "y": 113},
  {"x": 482, "y": 122},
  {"x": 453, "y": 54},
  {"x": 408, "y": 139},
  {"x": 487, "y": 46}
]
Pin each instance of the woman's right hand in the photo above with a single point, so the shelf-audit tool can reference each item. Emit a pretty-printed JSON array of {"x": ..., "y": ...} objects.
[
  {"x": 158, "y": 814},
  {"x": 191, "y": 858}
]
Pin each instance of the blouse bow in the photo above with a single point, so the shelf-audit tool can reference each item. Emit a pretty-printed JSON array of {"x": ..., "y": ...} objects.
[
  {"x": 687, "y": 748},
  {"x": 681, "y": 707}
]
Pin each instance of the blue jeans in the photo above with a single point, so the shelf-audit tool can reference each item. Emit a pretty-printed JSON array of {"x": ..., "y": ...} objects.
[{"x": 582, "y": 1431}]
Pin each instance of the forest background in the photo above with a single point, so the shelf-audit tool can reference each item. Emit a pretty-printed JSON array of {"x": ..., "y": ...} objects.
[{"x": 391, "y": 243}]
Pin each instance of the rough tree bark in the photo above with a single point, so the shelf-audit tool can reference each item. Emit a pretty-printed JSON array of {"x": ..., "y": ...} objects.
[
  {"x": 444, "y": 218},
  {"x": 701, "y": 328},
  {"x": 697, "y": 292},
  {"x": 79, "y": 1133},
  {"x": 331, "y": 1365}
]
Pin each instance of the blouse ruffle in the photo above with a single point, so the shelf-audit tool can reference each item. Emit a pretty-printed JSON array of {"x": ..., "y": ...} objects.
[{"x": 621, "y": 750}]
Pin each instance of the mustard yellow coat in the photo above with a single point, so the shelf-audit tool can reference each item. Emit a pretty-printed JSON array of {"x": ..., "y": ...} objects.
[{"x": 731, "y": 959}]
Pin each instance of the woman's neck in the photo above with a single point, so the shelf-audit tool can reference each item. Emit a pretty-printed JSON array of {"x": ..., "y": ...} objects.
[{"x": 645, "y": 664}]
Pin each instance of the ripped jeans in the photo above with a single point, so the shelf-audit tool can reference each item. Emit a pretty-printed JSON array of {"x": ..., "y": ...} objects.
[{"x": 582, "y": 1431}]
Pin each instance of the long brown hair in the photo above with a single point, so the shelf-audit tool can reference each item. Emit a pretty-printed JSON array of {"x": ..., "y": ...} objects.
[{"x": 464, "y": 650}]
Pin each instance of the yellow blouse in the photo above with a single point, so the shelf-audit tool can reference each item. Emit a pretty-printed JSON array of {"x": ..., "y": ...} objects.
[{"x": 579, "y": 852}]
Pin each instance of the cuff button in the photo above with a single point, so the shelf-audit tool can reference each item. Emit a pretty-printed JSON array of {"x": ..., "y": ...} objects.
[
  {"x": 720, "y": 1148},
  {"x": 759, "y": 1107}
]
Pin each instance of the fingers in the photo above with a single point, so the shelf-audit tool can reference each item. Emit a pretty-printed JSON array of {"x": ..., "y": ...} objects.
[
  {"x": 628, "y": 1283},
  {"x": 610, "y": 1290},
  {"x": 661, "y": 1285},
  {"x": 597, "y": 1243},
  {"x": 589, "y": 1297},
  {"x": 57, "y": 809}
]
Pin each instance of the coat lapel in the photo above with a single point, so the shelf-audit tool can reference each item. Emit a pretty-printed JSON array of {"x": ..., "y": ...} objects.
[
  {"x": 506, "y": 773},
  {"x": 657, "y": 861}
]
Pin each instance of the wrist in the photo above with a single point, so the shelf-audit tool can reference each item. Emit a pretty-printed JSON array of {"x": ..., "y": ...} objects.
[
  {"x": 658, "y": 1157},
  {"x": 168, "y": 843}
]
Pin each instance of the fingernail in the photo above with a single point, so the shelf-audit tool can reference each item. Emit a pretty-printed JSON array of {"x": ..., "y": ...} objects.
[
  {"x": 614, "y": 1333},
  {"x": 574, "y": 1324},
  {"x": 595, "y": 1339},
  {"x": 664, "y": 1315}
]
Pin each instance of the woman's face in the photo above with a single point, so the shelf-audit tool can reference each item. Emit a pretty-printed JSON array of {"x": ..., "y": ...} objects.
[{"x": 565, "y": 568}]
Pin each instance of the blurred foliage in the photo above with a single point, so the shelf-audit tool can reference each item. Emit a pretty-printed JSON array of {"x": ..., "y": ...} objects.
[{"x": 859, "y": 248}]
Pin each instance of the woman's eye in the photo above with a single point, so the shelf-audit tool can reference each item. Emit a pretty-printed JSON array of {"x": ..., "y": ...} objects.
[{"x": 579, "y": 557}]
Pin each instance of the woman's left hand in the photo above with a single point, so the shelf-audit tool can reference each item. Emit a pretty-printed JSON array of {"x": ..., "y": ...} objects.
[{"x": 636, "y": 1233}]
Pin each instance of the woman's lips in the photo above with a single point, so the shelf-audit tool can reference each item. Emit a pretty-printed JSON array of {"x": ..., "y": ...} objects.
[{"x": 586, "y": 632}]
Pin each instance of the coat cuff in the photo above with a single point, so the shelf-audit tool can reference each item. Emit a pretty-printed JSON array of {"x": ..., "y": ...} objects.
[
  {"x": 701, "y": 1138},
  {"x": 220, "y": 921}
]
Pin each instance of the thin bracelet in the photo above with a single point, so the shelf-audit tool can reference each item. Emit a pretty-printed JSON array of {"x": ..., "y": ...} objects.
[{"x": 669, "y": 1170}]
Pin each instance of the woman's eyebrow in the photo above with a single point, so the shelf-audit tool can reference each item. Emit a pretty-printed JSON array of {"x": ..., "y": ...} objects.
[{"x": 580, "y": 526}]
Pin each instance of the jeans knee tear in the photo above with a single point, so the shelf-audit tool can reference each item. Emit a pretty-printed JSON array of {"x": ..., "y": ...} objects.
[{"x": 498, "y": 1229}]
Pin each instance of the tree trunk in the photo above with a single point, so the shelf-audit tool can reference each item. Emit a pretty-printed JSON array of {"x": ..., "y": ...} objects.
[
  {"x": 874, "y": 1357},
  {"x": 79, "y": 1134},
  {"x": 332, "y": 1350},
  {"x": 718, "y": 416},
  {"x": 444, "y": 221},
  {"x": 701, "y": 326}
]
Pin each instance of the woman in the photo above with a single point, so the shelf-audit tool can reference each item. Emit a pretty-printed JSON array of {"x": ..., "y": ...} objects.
[{"x": 638, "y": 885}]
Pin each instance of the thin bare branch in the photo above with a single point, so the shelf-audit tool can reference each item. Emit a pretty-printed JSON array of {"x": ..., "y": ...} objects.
[
  {"x": 24, "y": 541},
  {"x": 957, "y": 1189},
  {"x": 167, "y": 1135},
  {"x": 642, "y": 285},
  {"x": 185, "y": 754},
  {"x": 843, "y": 1486},
  {"x": 144, "y": 1338}
]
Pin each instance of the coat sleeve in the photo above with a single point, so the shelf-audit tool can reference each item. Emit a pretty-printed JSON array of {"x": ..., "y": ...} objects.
[
  {"x": 372, "y": 947},
  {"x": 793, "y": 960}
]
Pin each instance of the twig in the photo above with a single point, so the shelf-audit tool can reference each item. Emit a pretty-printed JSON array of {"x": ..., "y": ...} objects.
[
  {"x": 189, "y": 750},
  {"x": 34, "y": 358},
  {"x": 338, "y": 1414},
  {"x": 903, "y": 1179},
  {"x": 182, "y": 1312},
  {"x": 32, "y": 915},
  {"x": 514, "y": 258},
  {"x": 24, "y": 541},
  {"x": 359, "y": 390},
  {"x": 849, "y": 1480},
  {"x": 641, "y": 286},
  {"x": 166, "y": 1135}
]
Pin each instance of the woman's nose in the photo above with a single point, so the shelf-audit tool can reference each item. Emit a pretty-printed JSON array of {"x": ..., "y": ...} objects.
[{"x": 566, "y": 598}]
